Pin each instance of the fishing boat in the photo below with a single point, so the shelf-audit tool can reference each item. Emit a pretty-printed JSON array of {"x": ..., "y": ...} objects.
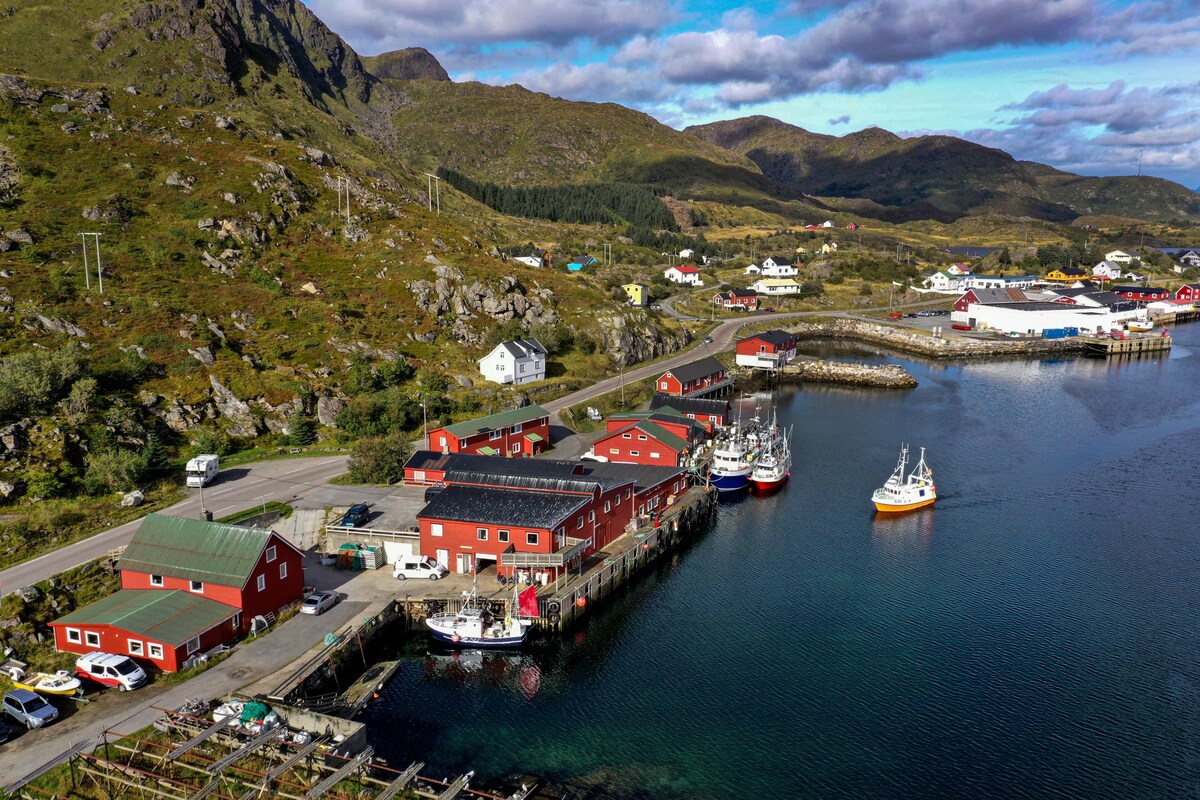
[
  {"x": 60, "y": 683},
  {"x": 906, "y": 492},
  {"x": 774, "y": 465},
  {"x": 1139, "y": 325},
  {"x": 474, "y": 625},
  {"x": 733, "y": 459}
]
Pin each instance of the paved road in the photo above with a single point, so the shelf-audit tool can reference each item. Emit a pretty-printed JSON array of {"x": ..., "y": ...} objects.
[{"x": 237, "y": 488}]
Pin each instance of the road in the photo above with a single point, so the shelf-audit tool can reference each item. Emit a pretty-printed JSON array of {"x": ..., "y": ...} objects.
[{"x": 236, "y": 488}]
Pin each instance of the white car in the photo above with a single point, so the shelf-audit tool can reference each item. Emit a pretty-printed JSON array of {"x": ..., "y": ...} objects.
[
  {"x": 419, "y": 567},
  {"x": 319, "y": 602}
]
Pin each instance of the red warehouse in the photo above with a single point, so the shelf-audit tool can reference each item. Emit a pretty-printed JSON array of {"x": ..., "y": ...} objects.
[
  {"x": 694, "y": 379},
  {"x": 1148, "y": 293},
  {"x": 768, "y": 350},
  {"x": 1189, "y": 292},
  {"x": 520, "y": 432},
  {"x": 737, "y": 299},
  {"x": 709, "y": 412},
  {"x": 643, "y": 442},
  {"x": 988, "y": 297},
  {"x": 187, "y": 586}
]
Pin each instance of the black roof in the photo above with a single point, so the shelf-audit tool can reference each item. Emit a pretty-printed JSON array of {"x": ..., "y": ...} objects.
[
  {"x": 1074, "y": 291},
  {"x": 1036, "y": 306},
  {"x": 539, "y": 473},
  {"x": 773, "y": 336},
  {"x": 697, "y": 369},
  {"x": 690, "y": 405},
  {"x": 521, "y": 509}
]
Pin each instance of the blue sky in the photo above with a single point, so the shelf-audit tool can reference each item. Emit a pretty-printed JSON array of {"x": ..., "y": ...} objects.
[{"x": 1087, "y": 86}]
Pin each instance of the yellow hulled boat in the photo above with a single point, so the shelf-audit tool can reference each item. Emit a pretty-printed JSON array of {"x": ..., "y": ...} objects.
[
  {"x": 60, "y": 683},
  {"x": 906, "y": 492}
]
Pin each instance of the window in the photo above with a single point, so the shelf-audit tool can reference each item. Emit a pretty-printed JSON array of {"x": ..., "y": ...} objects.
[
  {"x": 91, "y": 638},
  {"x": 626, "y": 435},
  {"x": 614, "y": 451},
  {"x": 579, "y": 523},
  {"x": 443, "y": 440},
  {"x": 591, "y": 516},
  {"x": 516, "y": 448},
  {"x": 607, "y": 506},
  {"x": 136, "y": 648},
  {"x": 198, "y": 587},
  {"x": 664, "y": 385},
  {"x": 155, "y": 650},
  {"x": 193, "y": 645},
  {"x": 156, "y": 580},
  {"x": 74, "y": 636},
  {"x": 262, "y": 583},
  {"x": 435, "y": 529},
  {"x": 501, "y": 536},
  {"x": 494, "y": 435},
  {"x": 236, "y": 622},
  {"x": 628, "y": 493},
  {"x": 531, "y": 537},
  {"x": 516, "y": 428},
  {"x": 654, "y": 455},
  {"x": 617, "y": 502},
  {"x": 282, "y": 570},
  {"x": 711, "y": 417},
  {"x": 481, "y": 534},
  {"x": 634, "y": 453},
  {"x": 270, "y": 554},
  {"x": 641, "y": 437}
]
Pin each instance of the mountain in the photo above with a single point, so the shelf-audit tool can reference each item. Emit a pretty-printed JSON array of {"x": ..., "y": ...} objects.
[
  {"x": 940, "y": 177},
  {"x": 413, "y": 63}
]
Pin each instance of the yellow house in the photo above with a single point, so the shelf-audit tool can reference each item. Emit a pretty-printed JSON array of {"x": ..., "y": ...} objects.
[
  {"x": 1067, "y": 275},
  {"x": 639, "y": 293},
  {"x": 829, "y": 247}
]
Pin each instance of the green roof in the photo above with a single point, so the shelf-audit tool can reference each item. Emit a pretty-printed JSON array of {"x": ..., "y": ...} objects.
[
  {"x": 502, "y": 420},
  {"x": 662, "y": 434},
  {"x": 195, "y": 550},
  {"x": 488, "y": 451},
  {"x": 533, "y": 437},
  {"x": 169, "y": 617}
]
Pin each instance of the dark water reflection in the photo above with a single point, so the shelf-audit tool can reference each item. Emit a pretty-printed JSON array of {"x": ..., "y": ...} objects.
[{"x": 1035, "y": 635}]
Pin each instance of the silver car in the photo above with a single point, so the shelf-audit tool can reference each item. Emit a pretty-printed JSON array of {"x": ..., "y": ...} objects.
[
  {"x": 29, "y": 709},
  {"x": 319, "y": 602}
]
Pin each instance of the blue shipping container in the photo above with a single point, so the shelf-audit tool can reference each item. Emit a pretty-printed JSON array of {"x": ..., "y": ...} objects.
[
  {"x": 1054, "y": 333},
  {"x": 1071, "y": 331}
]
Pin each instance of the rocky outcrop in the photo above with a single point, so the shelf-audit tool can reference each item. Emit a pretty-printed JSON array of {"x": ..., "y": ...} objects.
[
  {"x": 508, "y": 300},
  {"x": 883, "y": 376},
  {"x": 242, "y": 421},
  {"x": 410, "y": 64},
  {"x": 629, "y": 340}
]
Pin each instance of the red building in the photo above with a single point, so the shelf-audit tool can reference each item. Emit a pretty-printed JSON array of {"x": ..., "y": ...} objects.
[
  {"x": 709, "y": 412},
  {"x": 520, "y": 432},
  {"x": 694, "y": 379},
  {"x": 187, "y": 586},
  {"x": 737, "y": 299},
  {"x": 1189, "y": 292},
  {"x": 988, "y": 297},
  {"x": 644, "y": 442},
  {"x": 769, "y": 349},
  {"x": 1148, "y": 293},
  {"x": 537, "y": 516}
]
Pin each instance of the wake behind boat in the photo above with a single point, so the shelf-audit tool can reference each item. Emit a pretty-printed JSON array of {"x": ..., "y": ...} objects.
[
  {"x": 474, "y": 625},
  {"x": 906, "y": 493}
]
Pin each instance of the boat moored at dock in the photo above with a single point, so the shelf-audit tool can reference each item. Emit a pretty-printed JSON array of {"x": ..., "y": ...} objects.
[
  {"x": 475, "y": 625},
  {"x": 906, "y": 492},
  {"x": 774, "y": 464}
]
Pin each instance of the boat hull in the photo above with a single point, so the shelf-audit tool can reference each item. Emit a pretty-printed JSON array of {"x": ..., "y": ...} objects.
[
  {"x": 502, "y": 642},
  {"x": 895, "y": 508},
  {"x": 730, "y": 481},
  {"x": 769, "y": 484}
]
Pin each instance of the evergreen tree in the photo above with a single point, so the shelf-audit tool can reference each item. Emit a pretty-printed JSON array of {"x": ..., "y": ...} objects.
[
  {"x": 155, "y": 463},
  {"x": 304, "y": 431}
]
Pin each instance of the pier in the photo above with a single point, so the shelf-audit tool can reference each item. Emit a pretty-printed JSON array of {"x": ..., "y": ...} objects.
[{"x": 1099, "y": 345}]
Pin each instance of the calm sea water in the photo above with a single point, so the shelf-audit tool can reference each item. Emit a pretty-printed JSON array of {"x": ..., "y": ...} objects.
[{"x": 1035, "y": 636}]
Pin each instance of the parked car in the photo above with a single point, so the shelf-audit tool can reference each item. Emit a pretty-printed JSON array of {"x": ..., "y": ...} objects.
[
  {"x": 708, "y": 340},
  {"x": 419, "y": 567},
  {"x": 109, "y": 669},
  {"x": 655, "y": 307},
  {"x": 356, "y": 516},
  {"x": 319, "y": 602},
  {"x": 28, "y": 708},
  {"x": 928, "y": 312},
  {"x": 6, "y": 733}
]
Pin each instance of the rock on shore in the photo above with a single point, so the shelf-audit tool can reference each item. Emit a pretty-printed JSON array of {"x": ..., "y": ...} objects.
[{"x": 884, "y": 376}]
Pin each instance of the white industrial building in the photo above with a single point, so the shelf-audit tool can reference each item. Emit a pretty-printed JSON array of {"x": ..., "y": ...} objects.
[{"x": 1031, "y": 319}]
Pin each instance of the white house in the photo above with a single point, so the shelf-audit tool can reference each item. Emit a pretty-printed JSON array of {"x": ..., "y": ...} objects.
[
  {"x": 779, "y": 267},
  {"x": 1108, "y": 270},
  {"x": 958, "y": 269},
  {"x": 522, "y": 361},
  {"x": 534, "y": 259},
  {"x": 1122, "y": 256},
  {"x": 945, "y": 281},
  {"x": 754, "y": 269},
  {"x": 684, "y": 273},
  {"x": 776, "y": 286},
  {"x": 1190, "y": 259},
  {"x": 827, "y": 223},
  {"x": 686, "y": 252}
]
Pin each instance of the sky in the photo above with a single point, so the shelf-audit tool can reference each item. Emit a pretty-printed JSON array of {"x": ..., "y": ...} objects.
[{"x": 1097, "y": 88}]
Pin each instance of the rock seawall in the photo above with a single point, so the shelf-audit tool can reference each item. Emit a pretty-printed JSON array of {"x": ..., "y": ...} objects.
[
  {"x": 925, "y": 345},
  {"x": 882, "y": 376}
]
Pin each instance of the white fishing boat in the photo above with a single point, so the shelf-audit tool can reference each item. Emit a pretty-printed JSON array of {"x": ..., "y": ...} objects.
[
  {"x": 906, "y": 492},
  {"x": 60, "y": 683},
  {"x": 733, "y": 458},
  {"x": 475, "y": 625},
  {"x": 774, "y": 465}
]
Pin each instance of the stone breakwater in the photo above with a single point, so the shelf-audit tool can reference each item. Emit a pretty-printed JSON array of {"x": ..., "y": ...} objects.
[
  {"x": 883, "y": 376},
  {"x": 923, "y": 344}
]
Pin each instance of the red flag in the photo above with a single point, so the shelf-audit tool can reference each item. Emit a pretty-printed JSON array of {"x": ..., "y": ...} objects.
[
  {"x": 527, "y": 603},
  {"x": 1164, "y": 333}
]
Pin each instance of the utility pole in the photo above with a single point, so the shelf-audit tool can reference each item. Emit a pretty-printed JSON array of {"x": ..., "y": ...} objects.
[
  {"x": 99, "y": 265},
  {"x": 425, "y": 421},
  {"x": 435, "y": 188}
]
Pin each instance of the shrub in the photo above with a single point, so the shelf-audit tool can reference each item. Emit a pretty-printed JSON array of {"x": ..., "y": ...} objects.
[
  {"x": 379, "y": 459},
  {"x": 112, "y": 471}
]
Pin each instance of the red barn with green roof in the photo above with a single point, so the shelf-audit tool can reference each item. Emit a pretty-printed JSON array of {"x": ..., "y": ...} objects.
[
  {"x": 520, "y": 432},
  {"x": 187, "y": 586},
  {"x": 644, "y": 442}
]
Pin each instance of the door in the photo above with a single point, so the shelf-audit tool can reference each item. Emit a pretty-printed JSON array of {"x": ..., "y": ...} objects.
[
  {"x": 464, "y": 563},
  {"x": 443, "y": 558}
]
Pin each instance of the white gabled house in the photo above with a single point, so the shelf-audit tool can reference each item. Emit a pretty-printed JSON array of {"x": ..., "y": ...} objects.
[
  {"x": 535, "y": 259},
  {"x": 959, "y": 269},
  {"x": 778, "y": 267},
  {"x": 944, "y": 281},
  {"x": 775, "y": 286},
  {"x": 684, "y": 273},
  {"x": 1109, "y": 270},
  {"x": 754, "y": 269},
  {"x": 520, "y": 361}
]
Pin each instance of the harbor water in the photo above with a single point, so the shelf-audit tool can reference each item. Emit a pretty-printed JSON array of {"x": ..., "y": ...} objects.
[{"x": 1036, "y": 635}]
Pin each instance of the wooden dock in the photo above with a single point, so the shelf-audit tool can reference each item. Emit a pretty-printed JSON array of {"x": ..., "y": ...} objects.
[
  {"x": 367, "y": 687},
  {"x": 1107, "y": 346}
]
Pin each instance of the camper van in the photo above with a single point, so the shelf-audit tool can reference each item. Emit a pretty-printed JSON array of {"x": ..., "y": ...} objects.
[{"x": 201, "y": 470}]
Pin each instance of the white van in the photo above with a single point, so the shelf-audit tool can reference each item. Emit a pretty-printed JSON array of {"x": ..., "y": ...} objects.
[
  {"x": 419, "y": 567},
  {"x": 109, "y": 669},
  {"x": 201, "y": 470}
]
